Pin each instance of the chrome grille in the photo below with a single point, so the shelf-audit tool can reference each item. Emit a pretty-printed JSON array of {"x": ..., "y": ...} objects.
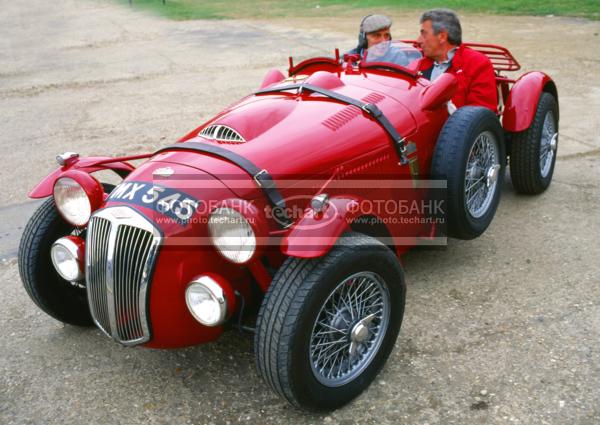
[
  {"x": 97, "y": 248},
  {"x": 222, "y": 133},
  {"x": 120, "y": 253}
]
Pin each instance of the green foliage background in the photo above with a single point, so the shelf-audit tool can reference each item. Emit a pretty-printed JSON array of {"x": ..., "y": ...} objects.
[{"x": 231, "y": 9}]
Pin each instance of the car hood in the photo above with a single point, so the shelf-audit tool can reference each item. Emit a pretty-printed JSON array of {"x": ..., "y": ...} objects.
[
  {"x": 175, "y": 197},
  {"x": 302, "y": 134}
]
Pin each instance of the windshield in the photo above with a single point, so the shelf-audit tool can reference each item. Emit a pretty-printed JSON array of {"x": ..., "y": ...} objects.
[{"x": 394, "y": 52}]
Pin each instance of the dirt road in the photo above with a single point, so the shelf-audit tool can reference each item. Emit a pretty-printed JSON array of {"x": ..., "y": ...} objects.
[{"x": 501, "y": 329}]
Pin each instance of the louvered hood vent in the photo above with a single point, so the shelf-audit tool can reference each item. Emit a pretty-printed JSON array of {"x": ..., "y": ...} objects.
[{"x": 222, "y": 133}]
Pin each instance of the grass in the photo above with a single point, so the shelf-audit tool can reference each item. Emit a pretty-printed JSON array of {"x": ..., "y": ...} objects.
[{"x": 233, "y": 9}]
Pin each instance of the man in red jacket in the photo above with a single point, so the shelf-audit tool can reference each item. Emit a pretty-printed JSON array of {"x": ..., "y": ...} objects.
[{"x": 441, "y": 40}]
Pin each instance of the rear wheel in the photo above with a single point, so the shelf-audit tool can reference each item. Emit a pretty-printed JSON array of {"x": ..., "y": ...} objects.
[
  {"x": 327, "y": 325},
  {"x": 533, "y": 151}
]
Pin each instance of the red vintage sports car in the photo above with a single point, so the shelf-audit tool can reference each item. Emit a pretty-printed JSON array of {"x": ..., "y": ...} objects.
[{"x": 286, "y": 215}]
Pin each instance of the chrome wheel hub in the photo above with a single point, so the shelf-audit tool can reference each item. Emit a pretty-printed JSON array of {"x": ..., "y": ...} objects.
[
  {"x": 360, "y": 333},
  {"x": 349, "y": 329},
  {"x": 482, "y": 174},
  {"x": 492, "y": 175},
  {"x": 554, "y": 142}
]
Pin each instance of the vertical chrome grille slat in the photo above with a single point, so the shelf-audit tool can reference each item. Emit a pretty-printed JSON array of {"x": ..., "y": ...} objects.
[
  {"x": 96, "y": 247},
  {"x": 123, "y": 306},
  {"x": 120, "y": 290},
  {"x": 146, "y": 269},
  {"x": 102, "y": 279},
  {"x": 127, "y": 285},
  {"x": 102, "y": 251},
  {"x": 98, "y": 232},
  {"x": 131, "y": 278},
  {"x": 137, "y": 277},
  {"x": 99, "y": 282},
  {"x": 124, "y": 270},
  {"x": 116, "y": 285},
  {"x": 139, "y": 270}
]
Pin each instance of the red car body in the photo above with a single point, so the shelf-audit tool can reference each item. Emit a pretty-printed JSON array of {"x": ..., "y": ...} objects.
[{"x": 306, "y": 137}]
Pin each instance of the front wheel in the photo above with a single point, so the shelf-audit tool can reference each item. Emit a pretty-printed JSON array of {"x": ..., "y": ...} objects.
[
  {"x": 327, "y": 325},
  {"x": 470, "y": 157},
  {"x": 59, "y": 298}
]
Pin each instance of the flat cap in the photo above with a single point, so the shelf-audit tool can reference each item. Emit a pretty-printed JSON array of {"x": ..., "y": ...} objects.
[{"x": 375, "y": 23}]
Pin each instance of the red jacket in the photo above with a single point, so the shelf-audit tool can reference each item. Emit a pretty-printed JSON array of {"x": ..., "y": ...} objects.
[{"x": 475, "y": 75}]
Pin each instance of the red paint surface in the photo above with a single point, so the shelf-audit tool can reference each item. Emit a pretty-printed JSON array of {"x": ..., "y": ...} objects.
[{"x": 522, "y": 101}]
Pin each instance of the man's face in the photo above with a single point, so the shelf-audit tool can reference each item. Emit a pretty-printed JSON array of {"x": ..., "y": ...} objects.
[
  {"x": 377, "y": 37},
  {"x": 432, "y": 44}
]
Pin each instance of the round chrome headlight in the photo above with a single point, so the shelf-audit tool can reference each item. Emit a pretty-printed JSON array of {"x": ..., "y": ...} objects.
[
  {"x": 206, "y": 301},
  {"x": 72, "y": 201},
  {"x": 66, "y": 258},
  {"x": 232, "y": 235}
]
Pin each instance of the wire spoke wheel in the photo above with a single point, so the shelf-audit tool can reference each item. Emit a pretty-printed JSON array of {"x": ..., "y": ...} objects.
[
  {"x": 481, "y": 174},
  {"x": 327, "y": 325},
  {"x": 548, "y": 143},
  {"x": 533, "y": 151},
  {"x": 470, "y": 156},
  {"x": 349, "y": 329}
]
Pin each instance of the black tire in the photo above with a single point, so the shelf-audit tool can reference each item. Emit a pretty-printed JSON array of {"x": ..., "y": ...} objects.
[
  {"x": 526, "y": 172},
  {"x": 450, "y": 159},
  {"x": 54, "y": 295},
  {"x": 292, "y": 305},
  {"x": 57, "y": 297}
]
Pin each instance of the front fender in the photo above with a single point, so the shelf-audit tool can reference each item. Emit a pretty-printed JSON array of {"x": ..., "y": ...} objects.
[
  {"x": 316, "y": 233},
  {"x": 89, "y": 165},
  {"x": 523, "y": 99}
]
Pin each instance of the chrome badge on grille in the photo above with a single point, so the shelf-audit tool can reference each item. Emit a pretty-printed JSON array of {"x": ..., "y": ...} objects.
[{"x": 120, "y": 213}]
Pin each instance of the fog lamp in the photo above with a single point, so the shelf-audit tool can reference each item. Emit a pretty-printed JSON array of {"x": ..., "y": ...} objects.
[
  {"x": 206, "y": 301},
  {"x": 66, "y": 254}
]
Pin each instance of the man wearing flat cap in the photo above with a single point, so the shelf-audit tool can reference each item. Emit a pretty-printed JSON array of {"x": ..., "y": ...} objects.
[{"x": 374, "y": 37}]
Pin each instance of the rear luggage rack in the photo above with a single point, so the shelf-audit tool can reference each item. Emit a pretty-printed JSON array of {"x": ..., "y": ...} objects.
[{"x": 501, "y": 58}]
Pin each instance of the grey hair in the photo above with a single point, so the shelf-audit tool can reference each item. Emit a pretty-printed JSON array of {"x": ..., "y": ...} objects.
[{"x": 444, "y": 20}]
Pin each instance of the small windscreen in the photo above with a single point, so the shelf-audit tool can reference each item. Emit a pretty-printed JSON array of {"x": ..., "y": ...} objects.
[{"x": 394, "y": 52}]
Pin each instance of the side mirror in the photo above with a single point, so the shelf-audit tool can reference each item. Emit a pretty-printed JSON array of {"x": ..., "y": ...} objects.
[{"x": 439, "y": 92}]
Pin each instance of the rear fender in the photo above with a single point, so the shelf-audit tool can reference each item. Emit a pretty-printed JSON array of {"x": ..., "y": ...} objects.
[
  {"x": 89, "y": 165},
  {"x": 316, "y": 233},
  {"x": 523, "y": 99}
]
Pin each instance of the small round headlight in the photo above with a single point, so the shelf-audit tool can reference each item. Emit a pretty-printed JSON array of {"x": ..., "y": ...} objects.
[
  {"x": 232, "y": 235},
  {"x": 206, "y": 301},
  {"x": 65, "y": 254},
  {"x": 72, "y": 201}
]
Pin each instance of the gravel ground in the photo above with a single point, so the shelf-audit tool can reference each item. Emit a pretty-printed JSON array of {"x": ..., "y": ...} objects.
[{"x": 502, "y": 329}]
